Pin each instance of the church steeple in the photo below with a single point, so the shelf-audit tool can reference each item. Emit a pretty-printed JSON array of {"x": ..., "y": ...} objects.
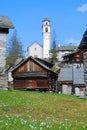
[{"x": 46, "y": 37}]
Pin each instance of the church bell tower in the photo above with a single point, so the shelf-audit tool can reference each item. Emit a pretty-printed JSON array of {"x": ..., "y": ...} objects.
[{"x": 46, "y": 37}]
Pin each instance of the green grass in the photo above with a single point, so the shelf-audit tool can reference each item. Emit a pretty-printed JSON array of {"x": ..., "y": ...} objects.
[{"x": 24, "y": 110}]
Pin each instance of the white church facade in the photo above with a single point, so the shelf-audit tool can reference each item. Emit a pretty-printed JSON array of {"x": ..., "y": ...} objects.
[
  {"x": 35, "y": 50},
  {"x": 38, "y": 50}
]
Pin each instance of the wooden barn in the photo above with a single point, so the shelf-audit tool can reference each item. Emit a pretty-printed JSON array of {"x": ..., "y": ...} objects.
[{"x": 31, "y": 74}]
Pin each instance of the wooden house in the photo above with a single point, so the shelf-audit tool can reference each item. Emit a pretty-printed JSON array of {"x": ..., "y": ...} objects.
[
  {"x": 83, "y": 46},
  {"x": 75, "y": 58},
  {"x": 31, "y": 74},
  {"x": 83, "y": 43}
]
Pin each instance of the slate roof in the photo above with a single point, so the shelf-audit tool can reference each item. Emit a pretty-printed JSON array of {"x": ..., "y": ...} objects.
[
  {"x": 45, "y": 62},
  {"x": 83, "y": 43},
  {"x": 65, "y": 74},
  {"x": 5, "y": 22},
  {"x": 72, "y": 74},
  {"x": 78, "y": 76},
  {"x": 67, "y": 48}
]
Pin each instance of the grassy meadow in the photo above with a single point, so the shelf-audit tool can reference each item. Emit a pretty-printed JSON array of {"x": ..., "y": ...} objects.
[{"x": 24, "y": 110}]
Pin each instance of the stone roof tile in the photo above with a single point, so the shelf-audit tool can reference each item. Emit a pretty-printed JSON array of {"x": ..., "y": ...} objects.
[{"x": 5, "y": 22}]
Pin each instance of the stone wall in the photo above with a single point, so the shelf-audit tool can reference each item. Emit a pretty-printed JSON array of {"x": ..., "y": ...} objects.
[
  {"x": 3, "y": 76},
  {"x": 85, "y": 70}
]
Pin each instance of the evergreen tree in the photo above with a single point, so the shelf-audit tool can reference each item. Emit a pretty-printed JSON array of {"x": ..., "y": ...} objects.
[
  {"x": 14, "y": 50},
  {"x": 53, "y": 52}
]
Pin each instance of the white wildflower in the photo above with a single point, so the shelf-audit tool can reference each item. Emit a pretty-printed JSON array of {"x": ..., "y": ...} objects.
[
  {"x": 43, "y": 124},
  {"x": 6, "y": 124},
  {"x": 41, "y": 128},
  {"x": 66, "y": 119},
  {"x": 48, "y": 126},
  {"x": 23, "y": 121},
  {"x": 32, "y": 127}
]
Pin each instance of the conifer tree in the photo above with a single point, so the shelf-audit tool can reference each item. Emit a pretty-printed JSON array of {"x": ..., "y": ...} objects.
[
  {"x": 14, "y": 50},
  {"x": 53, "y": 52}
]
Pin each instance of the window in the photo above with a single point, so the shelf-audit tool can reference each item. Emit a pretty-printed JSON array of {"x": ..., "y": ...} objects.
[
  {"x": 77, "y": 56},
  {"x": 77, "y": 60},
  {"x": 46, "y": 29}
]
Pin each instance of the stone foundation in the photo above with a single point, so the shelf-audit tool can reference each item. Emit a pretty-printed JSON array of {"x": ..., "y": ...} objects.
[
  {"x": 3, "y": 82},
  {"x": 3, "y": 76}
]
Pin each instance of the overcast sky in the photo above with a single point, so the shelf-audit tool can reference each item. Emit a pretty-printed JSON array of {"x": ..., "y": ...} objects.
[{"x": 68, "y": 19}]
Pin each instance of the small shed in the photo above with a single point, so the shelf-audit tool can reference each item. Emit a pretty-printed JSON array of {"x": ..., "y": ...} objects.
[
  {"x": 71, "y": 80},
  {"x": 78, "y": 81},
  {"x": 65, "y": 80},
  {"x": 31, "y": 74}
]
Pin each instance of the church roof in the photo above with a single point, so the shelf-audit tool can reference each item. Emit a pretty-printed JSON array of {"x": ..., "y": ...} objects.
[
  {"x": 5, "y": 22},
  {"x": 35, "y": 43},
  {"x": 46, "y": 19}
]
